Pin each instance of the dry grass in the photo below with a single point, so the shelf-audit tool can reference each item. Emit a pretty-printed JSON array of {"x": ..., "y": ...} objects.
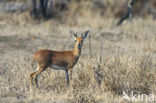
[{"x": 128, "y": 60}]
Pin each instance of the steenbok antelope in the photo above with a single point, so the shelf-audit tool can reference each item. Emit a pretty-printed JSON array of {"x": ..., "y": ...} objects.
[{"x": 58, "y": 60}]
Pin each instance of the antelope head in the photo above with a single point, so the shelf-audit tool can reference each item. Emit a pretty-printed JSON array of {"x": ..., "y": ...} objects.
[{"x": 79, "y": 39}]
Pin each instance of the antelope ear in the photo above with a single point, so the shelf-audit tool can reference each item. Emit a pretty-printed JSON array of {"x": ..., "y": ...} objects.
[
  {"x": 86, "y": 34},
  {"x": 72, "y": 33}
]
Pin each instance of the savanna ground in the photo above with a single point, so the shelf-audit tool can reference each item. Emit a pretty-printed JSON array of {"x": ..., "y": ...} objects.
[{"x": 127, "y": 54}]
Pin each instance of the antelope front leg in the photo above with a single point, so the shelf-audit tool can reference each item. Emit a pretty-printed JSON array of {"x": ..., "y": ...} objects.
[
  {"x": 70, "y": 77},
  {"x": 70, "y": 74},
  {"x": 67, "y": 77}
]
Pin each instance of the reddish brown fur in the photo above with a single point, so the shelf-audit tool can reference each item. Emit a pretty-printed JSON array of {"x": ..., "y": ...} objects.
[{"x": 65, "y": 59}]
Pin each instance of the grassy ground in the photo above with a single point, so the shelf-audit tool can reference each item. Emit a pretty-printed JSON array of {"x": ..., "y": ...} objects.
[{"x": 128, "y": 59}]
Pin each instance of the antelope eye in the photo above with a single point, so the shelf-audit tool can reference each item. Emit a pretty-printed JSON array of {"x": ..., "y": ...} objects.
[{"x": 75, "y": 40}]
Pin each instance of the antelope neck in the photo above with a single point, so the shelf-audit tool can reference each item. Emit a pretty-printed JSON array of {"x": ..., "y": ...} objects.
[{"x": 77, "y": 51}]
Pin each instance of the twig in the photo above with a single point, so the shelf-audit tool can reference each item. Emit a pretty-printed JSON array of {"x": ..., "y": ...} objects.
[
  {"x": 101, "y": 51},
  {"x": 97, "y": 70},
  {"x": 90, "y": 48}
]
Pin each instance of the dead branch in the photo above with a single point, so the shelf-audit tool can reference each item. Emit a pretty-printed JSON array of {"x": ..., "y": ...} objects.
[{"x": 128, "y": 13}]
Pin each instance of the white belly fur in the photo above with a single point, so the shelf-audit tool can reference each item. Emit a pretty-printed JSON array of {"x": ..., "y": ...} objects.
[{"x": 57, "y": 67}]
